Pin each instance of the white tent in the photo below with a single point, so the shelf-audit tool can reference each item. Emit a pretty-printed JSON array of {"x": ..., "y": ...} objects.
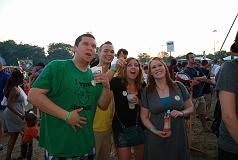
[
  {"x": 229, "y": 58},
  {"x": 202, "y": 58}
]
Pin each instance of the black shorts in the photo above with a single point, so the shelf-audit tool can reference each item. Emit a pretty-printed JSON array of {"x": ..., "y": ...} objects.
[{"x": 120, "y": 140}]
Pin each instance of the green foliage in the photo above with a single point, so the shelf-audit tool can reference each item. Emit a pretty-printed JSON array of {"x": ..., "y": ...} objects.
[
  {"x": 143, "y": 58},
  {"x": 59, "y": 51},
  {"x": 13, "y": 52}
]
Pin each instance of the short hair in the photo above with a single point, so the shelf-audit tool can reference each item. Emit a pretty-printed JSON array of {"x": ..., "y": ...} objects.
[
  {"x": 123, "y": 51},
  {"x": 80, "y": 38},
  {"x": 204, "y": 62},
  {"x": 173, "y": 61},
  {"x": 31, "y": 118},
  {"x": 107, "y": 42},
  {"x": 187, "y": 55}
]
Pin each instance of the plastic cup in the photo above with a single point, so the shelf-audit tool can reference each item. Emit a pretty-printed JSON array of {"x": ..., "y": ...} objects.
[
  {"x": 129, "y": 98},
  {"x": 97, "y": 69}
]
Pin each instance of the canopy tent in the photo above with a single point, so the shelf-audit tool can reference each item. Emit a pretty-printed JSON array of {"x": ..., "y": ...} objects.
[
  {"x": 202, "y": 58},
  {"x": 229, "y": 58}
]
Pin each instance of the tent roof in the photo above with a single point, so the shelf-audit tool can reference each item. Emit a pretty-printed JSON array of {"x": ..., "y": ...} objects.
[{"x": 229, "y": 58}]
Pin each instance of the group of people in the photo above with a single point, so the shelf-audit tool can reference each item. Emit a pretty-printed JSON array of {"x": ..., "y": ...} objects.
[
  {"x": 87, "y": 111},
  {"x": 84, "y": 107},
  {"x": 13, "y": 115}
]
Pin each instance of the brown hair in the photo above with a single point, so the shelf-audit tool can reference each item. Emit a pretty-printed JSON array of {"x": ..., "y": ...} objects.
[
  {"x": 76, "y": 43},
  {"x": 139, "y": 79},
  {"x": 151, "y": 80}
]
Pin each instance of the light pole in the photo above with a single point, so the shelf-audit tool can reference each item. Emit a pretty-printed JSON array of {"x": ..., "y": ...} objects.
[{"x": 214, "y": 47}]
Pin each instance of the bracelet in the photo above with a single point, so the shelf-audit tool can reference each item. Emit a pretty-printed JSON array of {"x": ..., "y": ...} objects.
[
  {"x": 67, "y": 117},
  {"x": 154, "y": 130}
]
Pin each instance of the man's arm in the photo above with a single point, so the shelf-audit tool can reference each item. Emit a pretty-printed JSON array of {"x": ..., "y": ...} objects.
[
  {"x": 105, "y": 97},
  {"x": 228, "y": 110},
  {"x": 38, "y": 98}
]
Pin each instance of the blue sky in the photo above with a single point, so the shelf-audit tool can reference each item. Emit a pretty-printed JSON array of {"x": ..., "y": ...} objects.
[{"x": 137, "y": 25}]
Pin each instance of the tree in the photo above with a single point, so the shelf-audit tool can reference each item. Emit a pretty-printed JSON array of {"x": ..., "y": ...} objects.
[
  {"x": 143, "y": 58},
  {"x": 34, "y": 53},
  {"x": 13, "y": 52},
  {"x": 163, "y": 54},
  {"x": 8, "y": 51},
  {"x": 59, "y": 51}
]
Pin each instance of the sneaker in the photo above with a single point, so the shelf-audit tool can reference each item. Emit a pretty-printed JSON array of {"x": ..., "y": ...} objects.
[{"x": 1, "y": 147}]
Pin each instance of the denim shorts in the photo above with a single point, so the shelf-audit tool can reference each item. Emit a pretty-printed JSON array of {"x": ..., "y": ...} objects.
[{"x": 120, "y": 140}]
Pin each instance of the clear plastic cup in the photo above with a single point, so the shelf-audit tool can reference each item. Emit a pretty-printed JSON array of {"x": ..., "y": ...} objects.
[{"x": 129, "y": 98}]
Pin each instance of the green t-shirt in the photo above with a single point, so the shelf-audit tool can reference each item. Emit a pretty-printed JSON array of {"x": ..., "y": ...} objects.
[{"x": 70, "y": 89}]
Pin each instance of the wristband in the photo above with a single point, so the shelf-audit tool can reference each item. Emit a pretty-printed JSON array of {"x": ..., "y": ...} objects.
[
  {"x": 67, "y": 117},
  {"x": 153, "y": 130}
]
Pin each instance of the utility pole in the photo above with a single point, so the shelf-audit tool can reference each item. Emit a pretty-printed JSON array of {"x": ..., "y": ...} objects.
[{"x": 214, "y": 38}]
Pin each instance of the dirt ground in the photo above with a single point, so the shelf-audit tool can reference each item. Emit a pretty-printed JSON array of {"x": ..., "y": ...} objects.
[{"x": 206, "y": 143}]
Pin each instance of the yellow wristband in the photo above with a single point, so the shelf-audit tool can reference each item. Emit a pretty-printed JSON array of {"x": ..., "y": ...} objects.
[{"x": 67, "y": 117}]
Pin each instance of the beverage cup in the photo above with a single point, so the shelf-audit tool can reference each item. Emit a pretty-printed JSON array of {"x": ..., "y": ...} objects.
[
  {"x": 97, "y": 69},
  {"x": 129, "y": 98}
]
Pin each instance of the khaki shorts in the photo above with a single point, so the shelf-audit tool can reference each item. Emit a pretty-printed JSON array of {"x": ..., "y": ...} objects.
[
  {"x": 199, "y": 105},
  {"x": 208, "y": 99}
]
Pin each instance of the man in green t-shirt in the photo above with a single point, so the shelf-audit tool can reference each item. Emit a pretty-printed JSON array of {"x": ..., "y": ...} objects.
[{"x": 67, "y": 92}]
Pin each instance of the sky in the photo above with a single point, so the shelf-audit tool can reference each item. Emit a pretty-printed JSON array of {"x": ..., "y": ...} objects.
[{"x": 136, "y": 25}]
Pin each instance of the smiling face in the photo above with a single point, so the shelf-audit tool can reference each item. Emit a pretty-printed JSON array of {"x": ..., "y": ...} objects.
[
  {"x": 85, "y": 50},
  {"x": 106, "y": 54},
  {"x": 132, "y": 69},
  {"x": 157, "y": 69}
]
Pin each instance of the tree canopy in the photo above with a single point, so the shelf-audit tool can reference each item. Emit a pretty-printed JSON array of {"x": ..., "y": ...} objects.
[{"x": 11, "y": 52}]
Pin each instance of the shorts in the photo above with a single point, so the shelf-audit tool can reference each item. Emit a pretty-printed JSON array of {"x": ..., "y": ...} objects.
[
  {"x": 199, "y": 105},
  {"x": 120, "y": 140}
]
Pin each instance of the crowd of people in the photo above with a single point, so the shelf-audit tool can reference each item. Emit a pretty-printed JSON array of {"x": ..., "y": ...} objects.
[{"x": 104, "y": 104}]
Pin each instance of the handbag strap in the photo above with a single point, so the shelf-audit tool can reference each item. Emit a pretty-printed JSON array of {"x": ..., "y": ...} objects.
[{"x": 137, "y": 115}]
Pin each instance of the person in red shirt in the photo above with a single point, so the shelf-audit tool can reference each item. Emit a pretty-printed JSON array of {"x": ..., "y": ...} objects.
[{"x": 30, "y": 132}]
